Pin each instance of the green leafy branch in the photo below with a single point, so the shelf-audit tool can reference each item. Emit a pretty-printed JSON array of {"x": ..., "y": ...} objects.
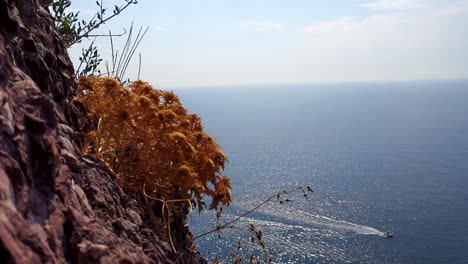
[{"x": 71, "y": 29}]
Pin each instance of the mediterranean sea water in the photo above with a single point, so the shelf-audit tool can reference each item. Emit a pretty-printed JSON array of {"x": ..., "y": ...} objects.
[{"x": 380, "y": 157}]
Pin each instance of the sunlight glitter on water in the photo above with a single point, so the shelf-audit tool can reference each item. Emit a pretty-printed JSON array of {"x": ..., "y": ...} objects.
[{"x": 294, "y": 236}]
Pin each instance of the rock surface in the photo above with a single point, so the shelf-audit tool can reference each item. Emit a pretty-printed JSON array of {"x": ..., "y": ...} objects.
[{"x": 57, "y": 206}]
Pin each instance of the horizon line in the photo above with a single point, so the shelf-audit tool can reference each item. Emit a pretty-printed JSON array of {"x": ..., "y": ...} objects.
[{"x": 246, "y": 85}]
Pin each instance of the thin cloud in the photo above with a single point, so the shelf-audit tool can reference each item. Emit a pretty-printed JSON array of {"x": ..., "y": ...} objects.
[
  {"x": 418, "y": 14},
  {"x": 393, "y": 5},
  {"x": 375, "y": 24},
  {"x": 160, "y": 28},
  {"x": 427, "y": 41},
  {"x": 264, "y": 25},
  {"x": 325, "y": 27}
]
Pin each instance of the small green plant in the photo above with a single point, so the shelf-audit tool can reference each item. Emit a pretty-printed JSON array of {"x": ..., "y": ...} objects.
[
  {"x": 90, "y": 60},
  {"x": 72, "y": 30}
]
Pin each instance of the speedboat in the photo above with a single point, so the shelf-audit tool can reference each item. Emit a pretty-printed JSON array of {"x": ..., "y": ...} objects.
[{"x": 389, "y": 235}]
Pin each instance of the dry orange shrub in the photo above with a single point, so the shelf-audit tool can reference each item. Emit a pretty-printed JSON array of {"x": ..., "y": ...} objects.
[{"x": 152, "y": 143}]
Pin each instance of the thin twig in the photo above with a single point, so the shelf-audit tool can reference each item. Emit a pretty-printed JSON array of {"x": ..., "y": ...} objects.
[
  {"x": 105, "y": 35},
  {"x": 124, "y": 51},
  {"x": 103, "y": 21},
  {"x": 84, "y": 58},
  {"x": 134, "y": 47},
  {"x": 166, "y": 212},
  {"x": 112, "y": 50},
  {"x": 139, "y": 65},
  {"x": 250, "y": 211}
]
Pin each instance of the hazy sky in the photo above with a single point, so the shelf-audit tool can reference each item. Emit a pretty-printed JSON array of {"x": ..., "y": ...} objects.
[{"x": 216, "y": 42}]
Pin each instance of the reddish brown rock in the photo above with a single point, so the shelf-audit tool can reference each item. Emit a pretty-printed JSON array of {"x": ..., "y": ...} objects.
[{"x": 57, "y": 206}]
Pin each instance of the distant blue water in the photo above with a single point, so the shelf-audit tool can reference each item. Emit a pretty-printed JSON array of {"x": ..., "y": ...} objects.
[{"x": 379, "y": 156}]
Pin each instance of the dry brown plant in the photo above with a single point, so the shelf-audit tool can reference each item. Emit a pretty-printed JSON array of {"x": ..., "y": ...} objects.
[{"x": 153, "y": 145}]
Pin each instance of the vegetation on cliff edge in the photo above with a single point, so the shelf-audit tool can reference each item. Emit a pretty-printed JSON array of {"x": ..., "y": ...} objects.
[{"x": 152, "y": 143}]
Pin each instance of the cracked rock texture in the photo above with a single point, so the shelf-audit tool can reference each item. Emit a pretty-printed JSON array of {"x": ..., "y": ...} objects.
[{"x": 57, "y": 206}]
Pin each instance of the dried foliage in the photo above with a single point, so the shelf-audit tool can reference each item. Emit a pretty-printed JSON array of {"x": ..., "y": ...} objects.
[{"x": 152, "y": 143}]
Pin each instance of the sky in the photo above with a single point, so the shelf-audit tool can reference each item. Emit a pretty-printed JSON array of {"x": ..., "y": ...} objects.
[{"x": 194, "y": 43}]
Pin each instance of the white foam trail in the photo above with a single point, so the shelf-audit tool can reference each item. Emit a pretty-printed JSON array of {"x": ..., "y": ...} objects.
[
  {"x": 297, "y": 236},
  {"x": 341, "y": 224},
  {"x": 308, "y": 220},
  {"x": 278, "y": 224}
]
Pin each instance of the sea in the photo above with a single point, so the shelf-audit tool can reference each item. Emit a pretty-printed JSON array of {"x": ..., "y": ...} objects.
[{"x": 379, "y": 156}]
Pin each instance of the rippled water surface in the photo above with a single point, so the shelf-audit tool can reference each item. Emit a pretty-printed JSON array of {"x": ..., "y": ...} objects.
[{"x": 380, "y": 157}]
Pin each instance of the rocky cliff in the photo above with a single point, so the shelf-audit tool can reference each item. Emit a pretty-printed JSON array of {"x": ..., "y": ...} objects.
[{"x": 57, "y": 206}]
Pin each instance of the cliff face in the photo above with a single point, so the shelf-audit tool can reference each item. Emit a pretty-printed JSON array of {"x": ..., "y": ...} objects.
[{"x": 56, "y": 205}]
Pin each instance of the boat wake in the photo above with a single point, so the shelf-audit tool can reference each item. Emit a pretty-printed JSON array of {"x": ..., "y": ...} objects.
[
  {"x": 305, "y": 220},
  {"x": 340, "y": 225},
  {"x": 296, "y": 236}
]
